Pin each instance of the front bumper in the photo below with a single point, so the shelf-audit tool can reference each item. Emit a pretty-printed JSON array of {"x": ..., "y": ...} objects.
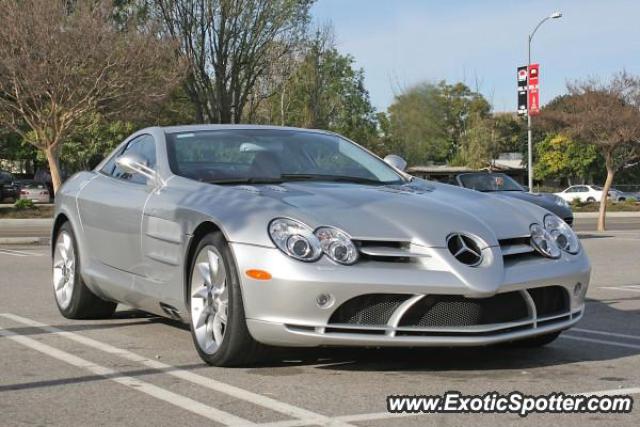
[{"x": 284, "y": 310}]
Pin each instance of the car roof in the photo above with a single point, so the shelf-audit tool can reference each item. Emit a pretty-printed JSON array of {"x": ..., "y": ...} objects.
[{"x": 205, "y": 127}]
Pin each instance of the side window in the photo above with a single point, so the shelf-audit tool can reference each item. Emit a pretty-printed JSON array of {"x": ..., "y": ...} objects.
[
  {"x": 571, "y": 190},
  {"x": 145, "y": 147}
]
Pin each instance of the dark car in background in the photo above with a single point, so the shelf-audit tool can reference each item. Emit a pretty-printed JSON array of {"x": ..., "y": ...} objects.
[
  {"x": 8, "y": 187},
  {"x": 503, "y": 185}
]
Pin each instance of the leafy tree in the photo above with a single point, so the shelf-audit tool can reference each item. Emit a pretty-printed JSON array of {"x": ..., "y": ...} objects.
[
  {"x": 61, "y": 60},
  {"x": 229, "y": 45},
  {"x": 606, "y": 115},
  {"x": 325, "y": 91},
  {"x": 559, "y": 156},
  {"x": 429, "y": 121}
]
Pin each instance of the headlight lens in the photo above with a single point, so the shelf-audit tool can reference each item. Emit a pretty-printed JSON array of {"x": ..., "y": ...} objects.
[
  {"x": 337, "y": 245},
  {"x": 542, "y": 241},
  {"x": 562, "y": 234},
  {"x": 295, "y": 239}
]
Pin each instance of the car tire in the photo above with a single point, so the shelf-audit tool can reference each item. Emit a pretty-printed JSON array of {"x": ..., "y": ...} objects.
[
  {"x": 537, "y": 341},
  {"x": 217, "y": 320},
  {"x": 73, "y": 298},
  {"x": 590, "y": 199}
]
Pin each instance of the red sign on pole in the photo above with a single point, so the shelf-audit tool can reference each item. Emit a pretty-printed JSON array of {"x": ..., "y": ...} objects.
[{"x": 534, "y": 94}]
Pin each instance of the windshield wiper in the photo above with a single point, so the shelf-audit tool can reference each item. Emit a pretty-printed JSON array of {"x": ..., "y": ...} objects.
[
  {"x": 334, "y": 178},
  {"x": 249, "y": 180}
]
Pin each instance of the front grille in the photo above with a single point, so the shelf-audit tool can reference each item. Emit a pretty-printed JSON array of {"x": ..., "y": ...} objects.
[
  {"x": 454, "y": 310},
  {"x": 550, "y": 300},
  {"x": 371, "y": 309}
]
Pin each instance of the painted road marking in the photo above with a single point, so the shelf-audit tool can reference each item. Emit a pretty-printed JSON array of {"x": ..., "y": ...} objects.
[
  {"x": 630, "y": 288},
  {"x": 597, "y": 341},
  {"x": 239, "y": 393},
  {"x": 612, "y": 334},
  {"x": 19, "y": 253},
  {"x": 130, "y": 382}
]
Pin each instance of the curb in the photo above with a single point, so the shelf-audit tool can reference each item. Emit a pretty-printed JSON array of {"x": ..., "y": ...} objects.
[{"x": 24, "y": 241}]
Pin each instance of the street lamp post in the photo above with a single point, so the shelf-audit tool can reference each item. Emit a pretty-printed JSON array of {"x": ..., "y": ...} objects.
[{"x": 554, "y": 15}]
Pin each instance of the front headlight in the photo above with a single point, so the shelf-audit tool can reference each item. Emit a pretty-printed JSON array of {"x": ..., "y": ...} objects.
[
  {"x": 562, "y": 234},
  {"x": 295, "y": 239},
  {"x": 337, "y": 245},
  {"x": 543, "y": 242}
]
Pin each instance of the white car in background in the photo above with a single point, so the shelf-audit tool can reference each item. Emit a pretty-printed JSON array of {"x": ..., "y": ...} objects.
[
  {"x": 586, "y": 193},
  {"x": 590, "y": 193}
]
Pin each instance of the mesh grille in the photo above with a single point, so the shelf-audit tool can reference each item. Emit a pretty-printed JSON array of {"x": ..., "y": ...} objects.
[
  {"x": 550, "y": 300},
  {"x": 372, "y": 309},
  {"x": 454, "y": 310}
]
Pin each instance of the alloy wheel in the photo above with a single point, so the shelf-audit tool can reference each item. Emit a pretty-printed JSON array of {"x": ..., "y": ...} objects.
[
  {"x": 209, "y": 299},
  {"x": 64, "y": 263}
]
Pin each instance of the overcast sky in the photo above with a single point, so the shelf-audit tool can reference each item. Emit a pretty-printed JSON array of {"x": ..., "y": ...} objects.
[{"x": 403, "y": 42}]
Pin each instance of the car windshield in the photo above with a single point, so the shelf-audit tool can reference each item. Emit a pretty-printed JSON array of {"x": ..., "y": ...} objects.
[
  {"x": 489, "y": 182},
  {"x": 235, "y": 156}
]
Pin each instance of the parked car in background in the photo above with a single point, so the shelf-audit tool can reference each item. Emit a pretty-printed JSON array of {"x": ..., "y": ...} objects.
[
  {"x": 592, "y": 193},
  {"x": 503, "y": 185},
  {"x": 8, "y": 188},
  {"x": 584, "y": 193},
  {"x": 37, "y": 192}
]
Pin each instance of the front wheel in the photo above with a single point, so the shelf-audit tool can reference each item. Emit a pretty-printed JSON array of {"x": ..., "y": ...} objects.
[
  {"x": 218, "y": 325},
  {"x": 591, "y": 200},
  {"x": 74, "y": 299}
]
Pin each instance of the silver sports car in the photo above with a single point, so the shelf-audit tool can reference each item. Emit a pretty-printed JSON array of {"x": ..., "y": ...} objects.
[{"x": 266, "y": 236}]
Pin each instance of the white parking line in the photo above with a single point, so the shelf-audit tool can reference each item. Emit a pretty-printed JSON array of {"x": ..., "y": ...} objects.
[
  {"x": 133, "y": 383},
  {"x": 19, "y": 253},
  {"x": 631, "y": 288},
  {"x": 597, "y": 341},
  {"x": 606, "y": 333},
  {"x": 305, "y": 415}
]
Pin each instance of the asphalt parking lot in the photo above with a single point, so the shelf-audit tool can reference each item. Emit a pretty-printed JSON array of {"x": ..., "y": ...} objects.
[{"x": 137, "y": 369}]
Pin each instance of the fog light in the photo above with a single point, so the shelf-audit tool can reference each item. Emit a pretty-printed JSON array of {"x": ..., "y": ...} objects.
[
  {"x": 325, "y": 300},
  {"x": 577, "y": 290}
]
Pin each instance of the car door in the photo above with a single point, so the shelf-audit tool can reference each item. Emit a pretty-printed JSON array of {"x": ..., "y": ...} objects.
[
  {"x": 111, "y": 206},
  {"x": 569, "y": 194}
]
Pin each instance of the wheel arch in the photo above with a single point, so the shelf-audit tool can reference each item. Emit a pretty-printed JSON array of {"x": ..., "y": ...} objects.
[
  {"x": 60, "y": 219},
  {"x": 204, "y": 228}
]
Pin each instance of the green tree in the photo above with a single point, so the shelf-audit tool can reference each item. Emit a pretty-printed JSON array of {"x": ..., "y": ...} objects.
[
  {"x": 559, "y": 156},
  {"x": 325, "y": 91},
  {"x": 429, "y": 121}
]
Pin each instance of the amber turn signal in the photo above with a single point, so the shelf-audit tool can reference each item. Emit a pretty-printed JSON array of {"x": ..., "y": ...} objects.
[{"x": 258, "y": 274}]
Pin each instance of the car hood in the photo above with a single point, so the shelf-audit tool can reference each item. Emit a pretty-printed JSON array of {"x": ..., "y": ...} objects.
[
  {"x": 547, "y": 201},
  {"x": 421, "y": 212}
]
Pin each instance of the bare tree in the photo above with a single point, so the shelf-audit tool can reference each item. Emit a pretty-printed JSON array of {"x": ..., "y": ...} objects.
[
  {"x": 60, "y": 60},
  {"x": 607, "y": 116},
  {"x": 229, "y": 45}
]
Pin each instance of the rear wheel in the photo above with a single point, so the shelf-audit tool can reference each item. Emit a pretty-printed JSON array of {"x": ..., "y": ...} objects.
[
  {"x": 218, "y": 324},
  {"x": 74, "y": 299},
  {"x": 537, "y": 341}
]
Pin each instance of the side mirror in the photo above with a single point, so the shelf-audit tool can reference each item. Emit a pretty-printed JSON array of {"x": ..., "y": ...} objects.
[
  {"x": 133, "y": 163},
  {"x": 396, "y": 161}
]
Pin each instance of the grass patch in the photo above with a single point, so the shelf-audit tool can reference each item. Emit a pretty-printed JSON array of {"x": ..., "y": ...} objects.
[{"x": 21, "y": 212}]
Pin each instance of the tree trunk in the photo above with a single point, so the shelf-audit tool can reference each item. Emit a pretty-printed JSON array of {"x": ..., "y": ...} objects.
[
  {"x": 54, "y": 169},
  {"x": 605, "y": 192}
]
